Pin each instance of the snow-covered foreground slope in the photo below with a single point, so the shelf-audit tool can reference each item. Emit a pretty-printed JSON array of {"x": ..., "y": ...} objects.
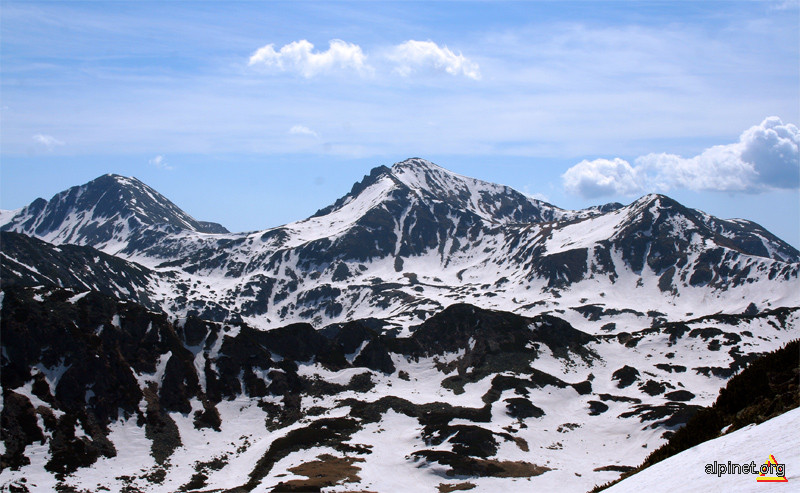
[{"x": 754, "y": 444}]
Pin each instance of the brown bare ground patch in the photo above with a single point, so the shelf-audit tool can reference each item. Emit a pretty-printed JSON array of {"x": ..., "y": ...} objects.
[
  {"x": 327, "y": 471},
  {"x": 516, "y": 469},
  {"x": 461, "y": 465},
  {"x": 447, "y": 488}
]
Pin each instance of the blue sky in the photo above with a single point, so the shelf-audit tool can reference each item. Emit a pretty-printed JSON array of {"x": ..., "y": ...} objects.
[{"x": 255, "y": 114}]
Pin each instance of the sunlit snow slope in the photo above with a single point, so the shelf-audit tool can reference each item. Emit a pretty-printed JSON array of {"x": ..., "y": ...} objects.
[{"x": 754, "y": 444}]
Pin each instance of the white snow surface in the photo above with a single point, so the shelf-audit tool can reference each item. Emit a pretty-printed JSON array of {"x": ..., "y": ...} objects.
[
  {"x": 754, "y": 444},
  {"x": 8, "y": 215}
]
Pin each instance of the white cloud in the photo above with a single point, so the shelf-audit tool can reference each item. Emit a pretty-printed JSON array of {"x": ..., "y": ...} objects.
[
  {"x": 766, "y": 157},
  {"x": 302, "y": 130},
  {"x": 160, "y": 162},
  {"x": 47, "y": 140},
  {"x": 414, "y": 55},
  {"x": 774, "y": 150},
  {"x": 299, "y": 57},
  {"x": 602, "y": 177},
  {"x": 404, "y": 59}
]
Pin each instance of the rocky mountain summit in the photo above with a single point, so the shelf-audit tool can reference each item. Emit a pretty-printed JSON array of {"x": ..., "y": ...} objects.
[{"x": 102, "y": 213}]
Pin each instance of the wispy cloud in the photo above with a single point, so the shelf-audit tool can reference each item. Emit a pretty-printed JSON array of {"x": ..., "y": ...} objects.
[
  {"x": 160, "y": 162},
  {"x": 535, "y": 195},
  {"x": 302, "y": 130},
  {"x": 552, "y": 88},
  {"x": 299, "y": 57},
  {"x": 785, "y": 4},
  {"x": 47, "y": 140},
  {"x": 412, "y": 56},
  {"x": 766, "y": 157}
]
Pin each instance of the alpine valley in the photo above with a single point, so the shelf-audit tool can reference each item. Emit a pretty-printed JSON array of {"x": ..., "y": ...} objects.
[{"x": 426, "y": 332}]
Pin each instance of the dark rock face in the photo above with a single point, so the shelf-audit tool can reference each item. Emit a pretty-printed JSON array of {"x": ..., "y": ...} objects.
[
  {"x": 563, "y": 268},
  {"x": 453, "y": 328},
  {"x": 625, "y": 376},
  {"x": 597, "y": 407},
  {"x": 522, "y": 408},
  {"x": 20, "y": 429},
  {"x": 467, "y": 440},
  {"x": 651, "y": 387},
  {"x": 28, "y": 261},
  {"x": 375, "y": 356},
  {"x": 494, "y": 342},
  {"x": 679, "y": 395},
  {"x": 213, "y": 228}
]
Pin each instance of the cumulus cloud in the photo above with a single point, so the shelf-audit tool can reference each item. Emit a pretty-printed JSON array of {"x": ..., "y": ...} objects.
[
  {"x": 767, "y": 156},
  {"x": 404, "y": 59},
  {"x": 602, "y": 177},
  {"x": 299, "y": 57},
  {"x": 415, "y": 55},
  {"x": 47, "y": 140},
  {"x": 302, "y": 130},
  {"x": 774, "y": 150},
  {"x": 160, "y": 162}
]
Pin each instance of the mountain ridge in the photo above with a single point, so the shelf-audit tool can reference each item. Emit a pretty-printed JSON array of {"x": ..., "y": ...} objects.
[{"x": 374, "y": 251}]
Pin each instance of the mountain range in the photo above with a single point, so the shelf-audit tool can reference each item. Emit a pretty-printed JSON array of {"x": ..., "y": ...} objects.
[
  {"x": 412, "y": 239},
  {"x": 453, "y": 329}
]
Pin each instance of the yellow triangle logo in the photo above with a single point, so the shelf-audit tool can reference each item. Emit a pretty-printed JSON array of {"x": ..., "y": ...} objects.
[{"x": 772, "y": 472}]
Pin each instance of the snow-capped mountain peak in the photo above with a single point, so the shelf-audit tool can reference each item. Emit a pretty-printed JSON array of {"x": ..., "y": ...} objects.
[
  {"x": 424, "y": 175},
  {"x": 660, "y": 218},
  {"x": 491, "y": 202},
  {"x": 421, "y": 182},
  {"x": 102, "y": 211}
]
